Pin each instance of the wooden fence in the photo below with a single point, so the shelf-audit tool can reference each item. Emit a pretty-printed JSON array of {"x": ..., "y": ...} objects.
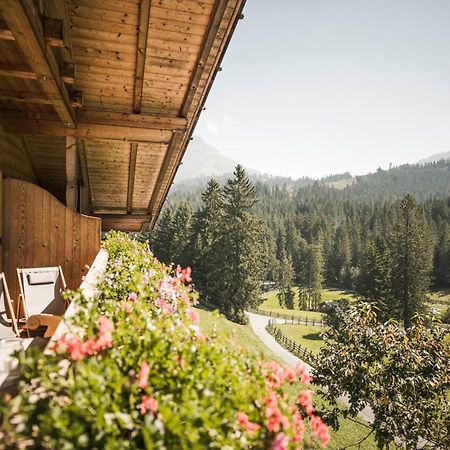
[
  {"x": 291, "y": 318},
  {"x": 39, "y": 231},
  {"x": 291, "y": 345}
]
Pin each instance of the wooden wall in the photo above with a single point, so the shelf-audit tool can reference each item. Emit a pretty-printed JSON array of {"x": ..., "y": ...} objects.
[
  {"x": 40, "y": 231},
  {"x": 14, "y": 158}
]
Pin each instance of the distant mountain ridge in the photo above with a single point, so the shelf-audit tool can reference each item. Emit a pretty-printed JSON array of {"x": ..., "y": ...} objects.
[
  {"x": 202, "y": 161},
  {"x": 434, "y": 158},
  {"x": 429, "y": 177}
]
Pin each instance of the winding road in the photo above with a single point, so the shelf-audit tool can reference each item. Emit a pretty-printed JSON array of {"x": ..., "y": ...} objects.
[{"x": 259, "y": 323}]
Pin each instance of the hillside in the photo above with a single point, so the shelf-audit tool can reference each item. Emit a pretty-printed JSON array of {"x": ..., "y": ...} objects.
[
  {"x": 434, "y": 158},
  {"x": 429, "y": 177},
  {"x": 202, "y": 161}
]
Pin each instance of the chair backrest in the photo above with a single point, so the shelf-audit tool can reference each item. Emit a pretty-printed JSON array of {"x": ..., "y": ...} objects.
[
  {"x": 41, "y": 290},
  {"x": 8, "y": 322}
]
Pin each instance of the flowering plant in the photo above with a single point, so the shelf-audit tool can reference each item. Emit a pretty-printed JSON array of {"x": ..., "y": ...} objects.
[{"x": 136, "y": 371}]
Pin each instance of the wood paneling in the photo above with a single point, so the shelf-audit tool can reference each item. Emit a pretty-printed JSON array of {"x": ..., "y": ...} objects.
[
  {"x": 39, "y": 231},
  {"x": 14, "y": 159}
]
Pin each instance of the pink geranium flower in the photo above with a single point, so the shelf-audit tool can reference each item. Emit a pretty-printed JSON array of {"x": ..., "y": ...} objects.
[
  {"x": 148, "y": 404},
  {"x": 305, "y": 400},
  {"x": 320, "y": 429},
  {"x": 244, "y": 422},
  {"x": 193, "y": 315},
  {"x": 280, "y": 442},
  {"x": 132, "y": 297},
  {"x": 143, "y": 375},
  {"x": 303, "y": 373}
]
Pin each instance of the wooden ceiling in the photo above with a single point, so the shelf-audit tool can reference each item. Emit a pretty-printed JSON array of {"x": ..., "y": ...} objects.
[{"x": 123, "y": 80}]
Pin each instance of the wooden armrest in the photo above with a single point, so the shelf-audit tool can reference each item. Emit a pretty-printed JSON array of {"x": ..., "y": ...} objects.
[{"x": 44, "y": 320}]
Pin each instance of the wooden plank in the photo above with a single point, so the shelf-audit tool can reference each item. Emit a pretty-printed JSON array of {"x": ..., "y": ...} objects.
[
  {"x": 21, "y": 20},
  {"x": 52, "y": 31},
  {"x": 171, "y": 150},
  {"x": 219, "y": 11},
  {"x": 76, "y": 251},
  {"x": 68, "y": 237},
  {"x": 83, "y": 248},
  {"x": 85, "y": 131},
  {"x": 71, "y": 173},
  {"x": 25, "y": 97},
  {"x": 1, "y": 221},
  {"x": 131, "y": 175},
  {"x": 17, "y": 71},
  {"x": 144, "y": 17}
]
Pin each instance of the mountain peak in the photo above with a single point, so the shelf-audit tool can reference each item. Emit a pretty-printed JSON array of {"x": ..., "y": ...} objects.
[{"x": 204, "y": 160}]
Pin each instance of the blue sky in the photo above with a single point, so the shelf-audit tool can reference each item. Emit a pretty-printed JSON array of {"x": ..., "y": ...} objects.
[{"x": 314, "y": 87}]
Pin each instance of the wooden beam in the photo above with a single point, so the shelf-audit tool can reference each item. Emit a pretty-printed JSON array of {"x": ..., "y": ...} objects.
[
  {"x": 71, "y": 173},
  {"x": 85, "y": 172},
  {"x": 217, "y": 16},
  {"x": 131, "y": 175},
  {"x": 171, "y": 150},
  {"x": 133, "y": 120},
  {"x": 67, "y": 72},
  {"x": 144, "y": 19},
  {"x": 40, "y": 99},
  {"x": 84, "y": 130},
  {"x": 25, "y": 97},
  {"x": 17, "y": 71},
  {"x": 21, "y": 20},
  {"x": 95, "y": 125},
  {"x": 52, "y": 29},
  {"x": 124, "y": 222}
]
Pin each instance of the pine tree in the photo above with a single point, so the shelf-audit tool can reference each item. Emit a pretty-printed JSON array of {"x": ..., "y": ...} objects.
[
  {"x": 286, "y": 294},
  {"x": 375, "y": 278},
  {"x": 236, "y": 272},
  {"x": 162, "y": 238},
  {"x": 441, "y": 261},
  {"x": 411, "y": 258},
  {"x": 316, "y": 269},
  {"x": 181, "y": 235},
  {"x": 205, "y": 228}
]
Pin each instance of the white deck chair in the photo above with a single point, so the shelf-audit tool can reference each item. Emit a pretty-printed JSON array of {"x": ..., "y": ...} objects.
[
  {"x": 8, "y": 321},
  {"x": 41, "y": 290}
]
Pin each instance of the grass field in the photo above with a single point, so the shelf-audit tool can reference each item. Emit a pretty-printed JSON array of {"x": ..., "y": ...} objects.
[
  {"x": 349, "y": 432},
  {"x": 305, "y": 335},
  {"x": 271, "y": 303},
  {"x": 439, "y": 300}
]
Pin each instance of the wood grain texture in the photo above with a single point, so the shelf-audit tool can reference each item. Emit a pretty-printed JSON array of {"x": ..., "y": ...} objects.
[{"x": 39, "y": 231}]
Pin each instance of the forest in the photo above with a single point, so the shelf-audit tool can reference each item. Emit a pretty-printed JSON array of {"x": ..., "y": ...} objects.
[{"x": 314, "y": 235}]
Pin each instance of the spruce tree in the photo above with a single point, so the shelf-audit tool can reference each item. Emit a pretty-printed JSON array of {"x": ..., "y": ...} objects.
[
  {"x": 316, "y": 269},
  {"x": 411, "y": 261},
  {"x": 181, "y": 235},
  {"x": 441, "y": 261},
  {"x": 375, "y": 278},
  {"x": 162, "y": 238},
  {"x": 286, "y": 294},
  {"x": 206, "y": 224},
  {"x": 236, "y": 271}
]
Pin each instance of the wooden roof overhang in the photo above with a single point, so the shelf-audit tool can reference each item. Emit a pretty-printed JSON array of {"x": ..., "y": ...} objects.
[{"x": 111, "y": 87}]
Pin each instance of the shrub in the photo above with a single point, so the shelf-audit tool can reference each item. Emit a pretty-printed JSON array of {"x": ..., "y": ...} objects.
[
  {"x": 403, "y": 375},
  {"x": 135, "y": 371},
  {"x": 446, "y": 316}
]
